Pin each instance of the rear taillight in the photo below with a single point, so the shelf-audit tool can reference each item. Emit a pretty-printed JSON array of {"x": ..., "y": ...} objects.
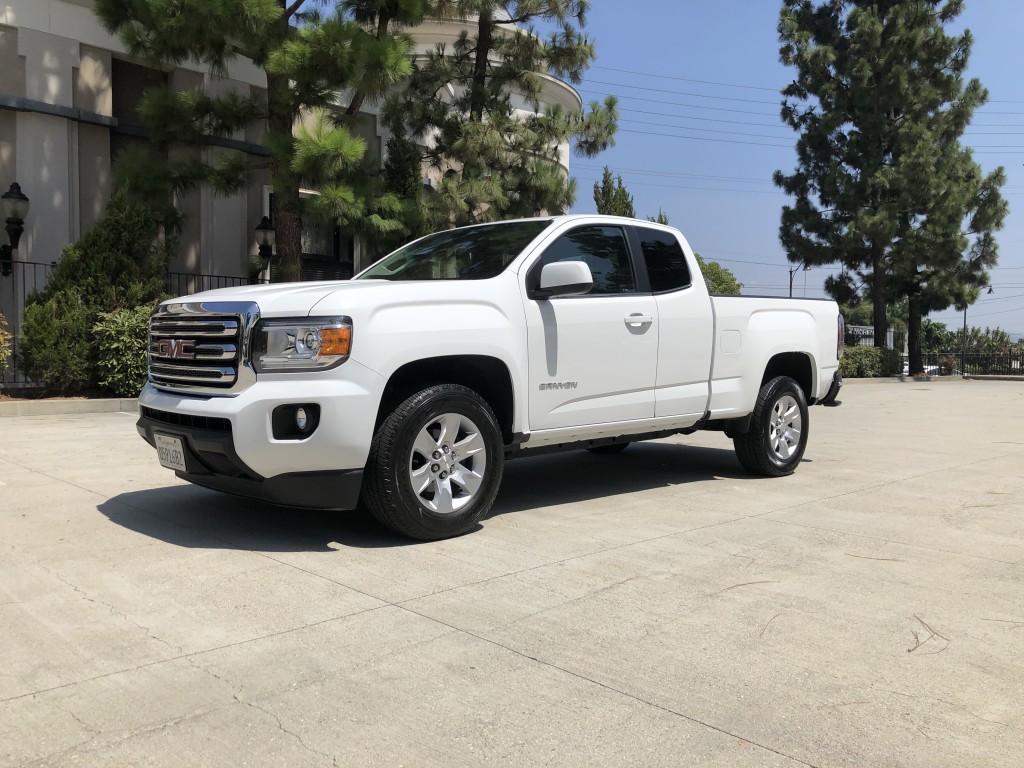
[{"x": 841, "y": 334}]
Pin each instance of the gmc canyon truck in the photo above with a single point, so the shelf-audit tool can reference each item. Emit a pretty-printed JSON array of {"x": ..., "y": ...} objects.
[{"x": 408, "y": 386}]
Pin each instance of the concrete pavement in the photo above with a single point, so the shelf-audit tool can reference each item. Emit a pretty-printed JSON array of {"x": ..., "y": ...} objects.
[{"x": 653, "y": 608}]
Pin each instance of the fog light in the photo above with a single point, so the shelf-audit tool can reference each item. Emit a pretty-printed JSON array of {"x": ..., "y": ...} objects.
[{"x": 295, "y": 422}]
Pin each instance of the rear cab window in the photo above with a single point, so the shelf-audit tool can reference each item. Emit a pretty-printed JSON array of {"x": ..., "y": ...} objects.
[{"x": 666, "y": 262}]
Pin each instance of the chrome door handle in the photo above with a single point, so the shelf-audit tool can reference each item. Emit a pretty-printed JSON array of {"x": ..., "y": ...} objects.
[{"x": 638, "y": 319}]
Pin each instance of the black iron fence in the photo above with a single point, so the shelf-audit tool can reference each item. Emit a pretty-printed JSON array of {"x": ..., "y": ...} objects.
[
  {"x": 25, "y": 279},
  {"x": 974, "y": 363},
  {"x": 187, "y": 283}
]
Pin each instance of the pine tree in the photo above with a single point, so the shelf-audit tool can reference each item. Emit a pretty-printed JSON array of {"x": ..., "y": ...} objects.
[
  {"x": 308, "y": 57},
  {"x": 611, "y": 197},
  {"x": 497, "y": 162},
  {"x": 661, "y": 218},
  {"x": 883, "y": 185}
]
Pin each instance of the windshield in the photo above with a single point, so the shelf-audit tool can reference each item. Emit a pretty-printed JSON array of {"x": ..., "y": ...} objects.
[{"x": 470, "y": 253}]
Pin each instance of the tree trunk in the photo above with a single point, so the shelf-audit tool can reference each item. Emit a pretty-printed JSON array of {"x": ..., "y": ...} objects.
[
  {"x": 478, "y": 87},
  {"x": 916, "y": 358},
  {"x": 878, "y": 297},
  {"x": 286, "y": 213}
]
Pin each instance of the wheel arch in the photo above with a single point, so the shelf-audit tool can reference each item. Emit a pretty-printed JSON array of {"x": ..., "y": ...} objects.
[
  {"x": 798, "y": 366},
  {"x": 487, "y": 376}
]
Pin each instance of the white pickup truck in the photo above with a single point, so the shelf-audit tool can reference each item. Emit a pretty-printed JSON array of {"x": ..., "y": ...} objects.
[{"x": 409, "y": 386}]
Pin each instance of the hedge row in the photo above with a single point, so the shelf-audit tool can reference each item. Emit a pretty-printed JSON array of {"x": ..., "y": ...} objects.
[{"x": 870, "y": 362}]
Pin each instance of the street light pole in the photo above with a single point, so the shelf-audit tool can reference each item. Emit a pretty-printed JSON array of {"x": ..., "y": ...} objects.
[
  {"x": 963, "y": 348},
  {"x": 803, "y": 266}
]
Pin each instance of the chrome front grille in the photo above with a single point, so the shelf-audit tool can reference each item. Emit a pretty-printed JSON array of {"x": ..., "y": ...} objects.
[{"x": 201, "y": 347}]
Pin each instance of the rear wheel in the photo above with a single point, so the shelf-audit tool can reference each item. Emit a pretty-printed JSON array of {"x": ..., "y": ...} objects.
[
  {"x": 435, "y": 464},
  {"x": 775, "y": 442}
]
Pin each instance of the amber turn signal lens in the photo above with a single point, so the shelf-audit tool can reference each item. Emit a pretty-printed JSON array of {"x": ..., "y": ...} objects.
[{"x": 335, "y": 341}]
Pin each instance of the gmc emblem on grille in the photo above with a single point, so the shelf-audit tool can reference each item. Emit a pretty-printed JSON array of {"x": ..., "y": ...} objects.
[{"x": 176, "y": 348}]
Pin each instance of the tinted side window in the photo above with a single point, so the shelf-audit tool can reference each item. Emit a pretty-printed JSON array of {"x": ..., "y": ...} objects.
[
  {"x": 666, "y": 264},
  {"x": 603, "y": 249}
]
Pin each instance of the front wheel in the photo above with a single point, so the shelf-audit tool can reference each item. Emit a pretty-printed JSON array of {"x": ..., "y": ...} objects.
[
  {"x": 435, "y": 464},
  {"x": 775, "y": 442}
]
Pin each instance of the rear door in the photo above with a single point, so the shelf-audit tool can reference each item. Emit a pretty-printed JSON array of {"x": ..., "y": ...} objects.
[
  {"x": 685, "y": 325},
  {"x": 592, "y": 358}
]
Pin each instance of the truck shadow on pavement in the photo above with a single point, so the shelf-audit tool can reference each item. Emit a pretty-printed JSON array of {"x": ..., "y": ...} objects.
[
  {"x": 190, "y": 516},
  {"x": 576, "y": 476}
]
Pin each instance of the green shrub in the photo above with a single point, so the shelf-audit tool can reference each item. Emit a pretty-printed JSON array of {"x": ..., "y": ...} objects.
[
  {"x": 860, "y": 362},
  {"x": 121, "y": 338},
  {"x": 869, "y": 362},
  {"x": 54, "y": 344},
  {"x": 120, "y": 264},
  {"x": 5, "y": 347}
]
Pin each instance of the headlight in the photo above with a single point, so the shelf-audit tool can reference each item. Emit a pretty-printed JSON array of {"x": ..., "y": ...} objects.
[{"x": 302, "y": 344}]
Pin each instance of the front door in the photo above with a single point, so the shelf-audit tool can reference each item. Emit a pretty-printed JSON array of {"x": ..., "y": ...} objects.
[{"x": 593, "y": 358}]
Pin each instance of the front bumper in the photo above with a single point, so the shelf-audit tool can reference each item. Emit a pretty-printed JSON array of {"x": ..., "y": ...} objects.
[
  {"x": 348, "y": 398},
  {"x": 212, "y": 462}
]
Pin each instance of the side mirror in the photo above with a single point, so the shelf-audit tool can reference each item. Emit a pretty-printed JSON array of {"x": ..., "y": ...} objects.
[{"x": 564, "y": 278}]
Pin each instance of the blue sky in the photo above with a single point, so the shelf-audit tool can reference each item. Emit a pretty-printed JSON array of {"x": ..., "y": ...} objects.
[{"x": 715, "y": 184}]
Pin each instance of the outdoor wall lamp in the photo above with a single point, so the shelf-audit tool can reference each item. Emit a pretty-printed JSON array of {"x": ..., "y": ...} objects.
[
  {"x": 15, "y": 209},
  {"x": 265, "y": 238}
]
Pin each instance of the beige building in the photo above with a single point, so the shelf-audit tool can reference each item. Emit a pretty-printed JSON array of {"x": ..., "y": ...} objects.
[{"x": 68, "y": 94}]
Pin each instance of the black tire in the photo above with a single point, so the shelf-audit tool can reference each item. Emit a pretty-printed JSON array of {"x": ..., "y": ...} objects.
[
  {"x": 609, "y": 449},
  {"x": 777, "y": 438},
  {"x": 429, "y": 512}
]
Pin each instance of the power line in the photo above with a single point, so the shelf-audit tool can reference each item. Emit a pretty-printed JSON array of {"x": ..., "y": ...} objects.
[
  {"x": 685, "y": 186},
  {"x": 984, "y": 149},
  {"x": 686, "y": 79},
  {"x": 1000, "y": 298},
  {"x": 767, "y": 136},
  {"x": 678, "y": 104},
  {"x": 706, "y": 119},
  {"x": 705, "y": 130},
  {"x": 780, "y": 125},
  {"x": 737, "y": 85},
  {"x": 979, "y": 149},
  {"x": 1000, "y": 312},
  {"x": 645, "y": 171},
  {"x": 705, "y": 138},
  {"x": 682, "y": 93}
]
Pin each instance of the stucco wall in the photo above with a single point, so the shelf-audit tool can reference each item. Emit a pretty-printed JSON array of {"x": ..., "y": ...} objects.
[{"x": 58, "y": 86}]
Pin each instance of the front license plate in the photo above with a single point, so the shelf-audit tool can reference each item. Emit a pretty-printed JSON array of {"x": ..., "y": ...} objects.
[{"x": 171, "y": 452}]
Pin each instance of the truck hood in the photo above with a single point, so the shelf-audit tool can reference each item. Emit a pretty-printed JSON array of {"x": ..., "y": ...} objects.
[
  {"x": 345, "y": 297},
  {"x": 274, "y": 300}
]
